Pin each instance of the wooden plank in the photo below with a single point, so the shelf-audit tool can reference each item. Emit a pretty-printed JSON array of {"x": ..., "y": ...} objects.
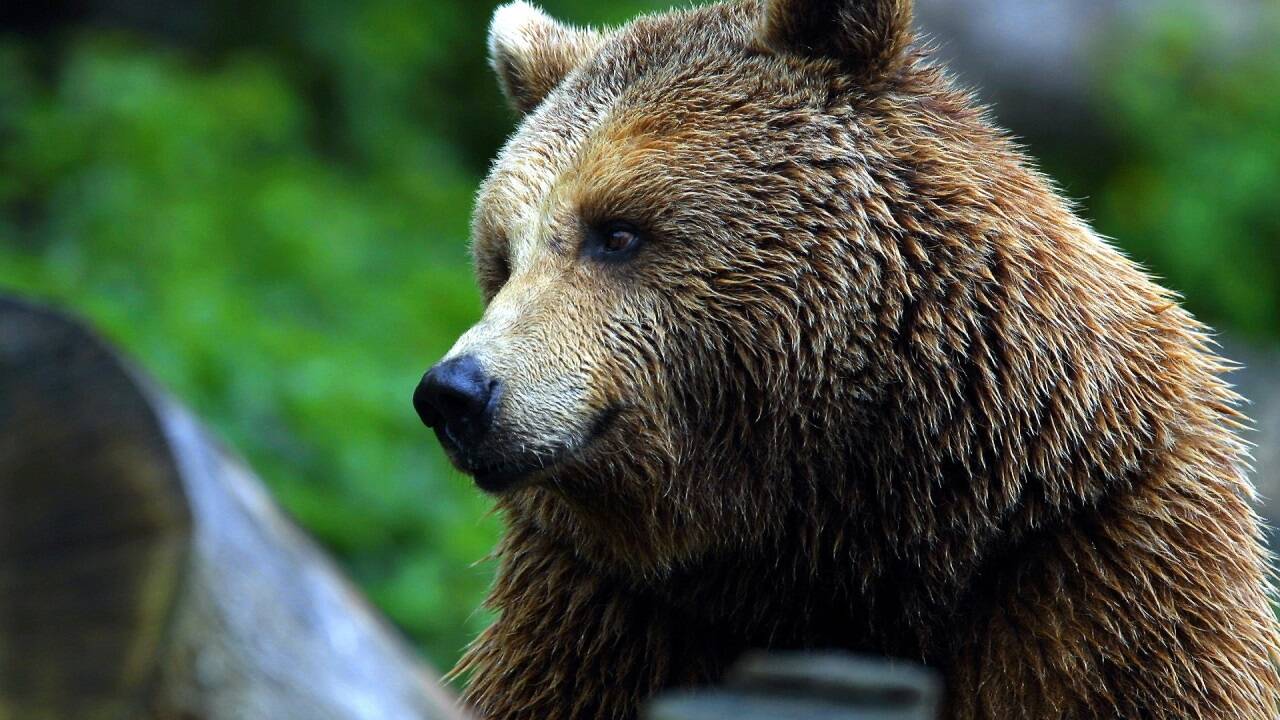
[{"x": 803, "y": 686}]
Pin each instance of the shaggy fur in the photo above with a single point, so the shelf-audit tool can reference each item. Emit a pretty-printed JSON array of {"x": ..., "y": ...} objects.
[{"x": 868, "y": 384}]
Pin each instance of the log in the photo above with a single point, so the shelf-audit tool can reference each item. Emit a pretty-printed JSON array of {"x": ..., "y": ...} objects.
[
  {"x": 810, "y": 686},
  {"x": 146, "y": 573}
]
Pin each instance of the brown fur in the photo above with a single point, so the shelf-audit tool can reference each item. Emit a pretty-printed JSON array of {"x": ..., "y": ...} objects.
[{"x": 870, "y": 384}]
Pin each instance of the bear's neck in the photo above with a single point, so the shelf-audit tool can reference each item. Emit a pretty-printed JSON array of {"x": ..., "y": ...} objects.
[{"x": 1024, "y": 386}]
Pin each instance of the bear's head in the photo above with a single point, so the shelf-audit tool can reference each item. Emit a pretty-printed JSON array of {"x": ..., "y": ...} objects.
[{"x": 731, "y": 260}]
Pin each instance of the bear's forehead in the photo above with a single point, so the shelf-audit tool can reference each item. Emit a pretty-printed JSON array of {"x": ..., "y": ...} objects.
[
  {"x": 658, "y": 67},
  {"x": 690, "y": 42},
  {"x": 662, "y": 94}
]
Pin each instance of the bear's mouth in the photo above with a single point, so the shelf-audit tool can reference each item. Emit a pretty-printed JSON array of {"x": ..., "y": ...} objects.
[{"x": 513, "y": 470}]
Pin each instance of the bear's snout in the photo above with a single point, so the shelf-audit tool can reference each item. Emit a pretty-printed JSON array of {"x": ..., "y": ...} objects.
[{"x": 456, "y": 398}]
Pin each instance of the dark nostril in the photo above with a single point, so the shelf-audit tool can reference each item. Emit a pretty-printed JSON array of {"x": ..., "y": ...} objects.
[
  {"x": 457, "y": 393},
  {"x": 455, "y": 403},
  {"x": 426, "y": 409}
]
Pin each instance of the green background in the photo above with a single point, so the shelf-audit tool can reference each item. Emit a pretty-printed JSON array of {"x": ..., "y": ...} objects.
[{"x": 267, "y": 204}]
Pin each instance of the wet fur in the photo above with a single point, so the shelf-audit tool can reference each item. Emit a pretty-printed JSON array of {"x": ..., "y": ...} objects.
[{"x": 877, "y": 387}]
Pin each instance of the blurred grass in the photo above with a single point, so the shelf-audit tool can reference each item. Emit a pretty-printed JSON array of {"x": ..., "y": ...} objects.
[{"x": 270, "y": 212}]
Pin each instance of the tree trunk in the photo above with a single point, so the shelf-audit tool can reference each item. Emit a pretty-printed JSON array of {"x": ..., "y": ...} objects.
[{"x": 146, "y": 573}]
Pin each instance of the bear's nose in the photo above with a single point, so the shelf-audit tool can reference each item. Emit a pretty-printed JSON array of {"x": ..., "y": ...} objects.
[{"x": 456, "y": 397}]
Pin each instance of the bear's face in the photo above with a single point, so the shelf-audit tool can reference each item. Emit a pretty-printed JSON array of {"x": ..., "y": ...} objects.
[{"x": 672, "y": 290}]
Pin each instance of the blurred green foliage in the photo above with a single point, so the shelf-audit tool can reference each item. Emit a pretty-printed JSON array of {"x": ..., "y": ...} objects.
[
  {"x": 269, "y": 209},
  {"x": 293, "y": 300},
  {"x": 1193, "y": 111}
]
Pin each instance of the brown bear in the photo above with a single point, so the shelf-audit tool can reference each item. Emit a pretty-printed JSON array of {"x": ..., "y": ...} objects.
[{"x": 786, "y": 346}]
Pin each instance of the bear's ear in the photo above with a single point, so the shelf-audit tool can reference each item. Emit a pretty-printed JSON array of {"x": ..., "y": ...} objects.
[
  {"x": 867, "y": 36},
  {"x": 532, "y": 53}
]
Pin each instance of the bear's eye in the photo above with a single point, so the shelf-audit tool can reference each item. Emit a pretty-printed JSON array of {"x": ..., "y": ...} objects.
[
  {"x": 613, "y": 241},
  {"x": 620, "y": 239}
]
